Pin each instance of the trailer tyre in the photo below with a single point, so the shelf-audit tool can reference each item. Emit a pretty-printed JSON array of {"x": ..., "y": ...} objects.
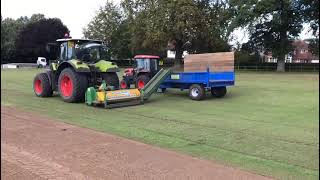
[
  {"x": 111, "y": 79},
  {"x": 72, "y": 86},
  {"x": 141, "y": 81},
  {"x": 218, "y": 92},
  {"x": 41, "y": 85},
  {"x": 196, "y": 92}
]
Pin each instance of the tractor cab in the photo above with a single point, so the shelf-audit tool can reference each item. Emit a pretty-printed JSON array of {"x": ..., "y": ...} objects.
[
  {"x": 82, "y": 49},
  {"x": 145, "y": 67},
  {"x": 146, "y": 64}
]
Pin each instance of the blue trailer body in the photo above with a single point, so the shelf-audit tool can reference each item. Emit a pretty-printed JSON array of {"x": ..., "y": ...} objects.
[{"x": 183, "y": 80}]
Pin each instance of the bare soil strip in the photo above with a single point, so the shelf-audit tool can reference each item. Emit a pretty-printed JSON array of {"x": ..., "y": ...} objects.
[{"x": 36, "y": 147}]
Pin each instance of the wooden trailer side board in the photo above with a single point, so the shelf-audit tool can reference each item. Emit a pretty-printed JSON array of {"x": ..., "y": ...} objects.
[{"x": 217, "y": 62}]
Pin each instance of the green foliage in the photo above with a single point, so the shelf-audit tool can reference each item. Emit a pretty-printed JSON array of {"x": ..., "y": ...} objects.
[
  {"x": 33, "y": 37},
  {"x": 314, "y": 46},
  {"x": 246, "y": 57},
  {"x": 9, "y": 31},
  {"x": 24, "y": 38},
  {"x": 272, "y": 24},
  {"x": 310, "y": 12},
  {"x": 109, "y": 26},
  {"x": 146, "y": 26},
  {"x": 154, "y": 23}
]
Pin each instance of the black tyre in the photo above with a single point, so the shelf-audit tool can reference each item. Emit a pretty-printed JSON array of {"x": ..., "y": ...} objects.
[
  {"x": 141, "y": 81},
  {"x": 111, "y": 79},
  {"x": 72, "y": 85},
  {"x": 124, "y": 84},
  {"x": 196, "y": 92},
  {"x": 218, "y": 92},
  {"x": 41, "y": 85}
]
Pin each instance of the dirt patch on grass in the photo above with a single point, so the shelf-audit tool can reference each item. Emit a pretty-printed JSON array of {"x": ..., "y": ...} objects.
[{"x": 35, "y": 147}]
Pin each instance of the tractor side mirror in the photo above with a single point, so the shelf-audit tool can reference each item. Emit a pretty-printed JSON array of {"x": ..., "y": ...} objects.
[{"x": 52, "y": 50}]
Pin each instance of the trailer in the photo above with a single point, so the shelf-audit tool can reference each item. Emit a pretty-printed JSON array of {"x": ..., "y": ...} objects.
[{"x": 199, "y": 82}]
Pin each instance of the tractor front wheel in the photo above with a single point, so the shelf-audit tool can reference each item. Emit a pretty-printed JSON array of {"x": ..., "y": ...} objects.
[
  {"x": 141, "y": 81},
  {"x": 41, "y": 85},
  {"x": 124, "y": 84},
  {"x": 72, "y": 85},
  {"x": 111, "y": 79}
]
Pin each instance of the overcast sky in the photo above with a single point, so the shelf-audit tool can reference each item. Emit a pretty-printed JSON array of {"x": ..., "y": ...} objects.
[{"x": 75, "y": 14}]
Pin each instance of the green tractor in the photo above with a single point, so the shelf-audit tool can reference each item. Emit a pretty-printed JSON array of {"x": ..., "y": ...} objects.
[{"x": 80, "y": 63}]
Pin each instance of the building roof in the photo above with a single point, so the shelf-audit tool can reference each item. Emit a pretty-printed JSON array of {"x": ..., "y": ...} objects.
[{"x": 146, "y": 56}]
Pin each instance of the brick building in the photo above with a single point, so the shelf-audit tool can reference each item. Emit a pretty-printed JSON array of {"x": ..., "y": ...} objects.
[{"x": 300, "y": 54}]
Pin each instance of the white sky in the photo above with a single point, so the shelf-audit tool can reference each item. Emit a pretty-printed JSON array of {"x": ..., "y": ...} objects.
[{"x": 75, "y": 14}]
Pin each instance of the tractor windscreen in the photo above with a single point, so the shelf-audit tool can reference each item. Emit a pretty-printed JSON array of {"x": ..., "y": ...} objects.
[
  {"x": 142, "y": 64},
  {"x": 91, "y": 52}
]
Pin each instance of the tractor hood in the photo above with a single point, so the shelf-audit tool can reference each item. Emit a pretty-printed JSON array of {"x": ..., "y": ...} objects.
[{"x": 106, "y": 66}]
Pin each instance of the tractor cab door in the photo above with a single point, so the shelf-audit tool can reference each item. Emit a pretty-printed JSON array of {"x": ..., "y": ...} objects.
[
  {"x": 154, "y": 66},
  {"x": 63, "y": 51},
  {"x": 67, "y": 51}
]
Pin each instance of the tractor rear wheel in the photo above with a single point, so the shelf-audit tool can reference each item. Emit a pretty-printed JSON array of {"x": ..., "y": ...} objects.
[
  {"x": 111, "y": 79},
  {"x": 141, "y": 81},
  {"x": 218, "y": 91},
  {"x": 72, "y": 85},
  {"x": 41, "y": 85}
]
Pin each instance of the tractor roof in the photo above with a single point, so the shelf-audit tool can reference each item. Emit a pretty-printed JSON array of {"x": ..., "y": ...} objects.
[
  {"x": 70, "y": 39},
  {"x": 146, "y": 56}
]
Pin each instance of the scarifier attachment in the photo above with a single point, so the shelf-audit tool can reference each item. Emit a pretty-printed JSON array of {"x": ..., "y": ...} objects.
[
  {"x": 124, "y": 97},
  {"x": 112, "y": 99}
]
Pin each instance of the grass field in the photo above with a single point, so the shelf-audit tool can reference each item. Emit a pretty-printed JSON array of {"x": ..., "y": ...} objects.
[{"x": 268, "y": 123}]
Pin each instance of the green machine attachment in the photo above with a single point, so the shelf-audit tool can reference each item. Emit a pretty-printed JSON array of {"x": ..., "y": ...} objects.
[{"x": 125, "y": 97}]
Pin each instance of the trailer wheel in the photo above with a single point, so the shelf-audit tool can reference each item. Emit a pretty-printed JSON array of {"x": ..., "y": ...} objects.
[
  {"x": 72, "y": 85},
  {"x": 111, "y": 79},
  {"x": 218, "y": 91},
  {"x": 196, "y": 92},
  {"x": 41, "y": 85},
  {"x": 141, "y": 81}
]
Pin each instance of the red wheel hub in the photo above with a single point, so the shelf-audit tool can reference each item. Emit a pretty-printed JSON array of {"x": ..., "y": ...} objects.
[
  {"x": 37, "y": 86},
  {"x": 66, "y": 86},
  {"x": 123, "y": 85},
  {"x": 140, "y": 84}
]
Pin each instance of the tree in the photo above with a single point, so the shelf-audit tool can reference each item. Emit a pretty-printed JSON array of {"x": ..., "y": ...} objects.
[
  {"x": 314, "y": 46},
  {"x": 154, "y": 23},
  {"x": 9, "y": 30},
  {"x": 120, "y": 41},
  {"x": 310, "y": 12},
  {"x": 272, "y": 24},
  {"x": 109, "y": 26},
  {"x": 36, "y": 17},
  {"x": 33, "y": 38}
]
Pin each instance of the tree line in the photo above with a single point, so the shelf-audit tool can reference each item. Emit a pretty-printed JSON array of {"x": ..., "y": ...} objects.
[
  {"x": 24, "y": 39},
  {"x": 203, "y": 26},
  {"x": 154, "y": 26}
]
